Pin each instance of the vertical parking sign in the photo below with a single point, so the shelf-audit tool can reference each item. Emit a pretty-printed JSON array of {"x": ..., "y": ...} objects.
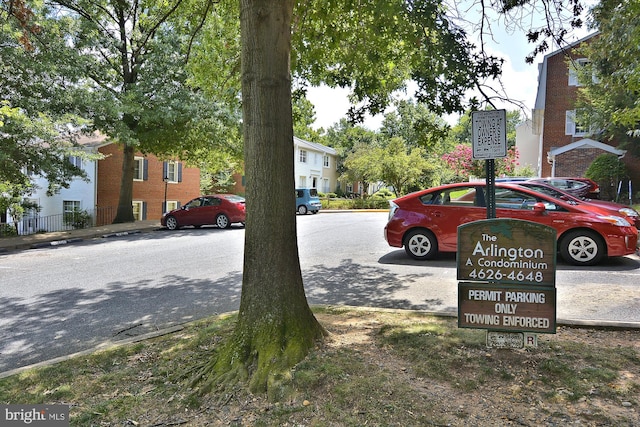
[{"x": 489, "y": 130}]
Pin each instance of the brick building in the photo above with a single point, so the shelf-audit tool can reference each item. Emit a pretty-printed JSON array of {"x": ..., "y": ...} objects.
[
  {"x": 152, "y": 178},
  {"x": 565, "y": 148}
]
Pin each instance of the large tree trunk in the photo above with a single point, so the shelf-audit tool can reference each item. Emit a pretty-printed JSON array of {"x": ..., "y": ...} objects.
[
  {"x": 125, "y": 209},
  {"x": 276, "y": 327}
]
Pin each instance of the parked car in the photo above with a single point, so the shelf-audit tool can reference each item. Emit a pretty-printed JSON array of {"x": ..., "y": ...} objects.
[
  {"x": 609, "y": 208},
  {"x": 221, "y": 210},
  {"x": 307, "y": 200},
  {"x": 579, "y": 187},
  {"x": 426, "y": 222}
]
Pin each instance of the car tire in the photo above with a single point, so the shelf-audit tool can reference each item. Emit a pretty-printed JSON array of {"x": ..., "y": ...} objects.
[
  {"x": 222, "y": 221},
  {"x": 582, "y": 247},
  {"x": 302, "y": 210},
  {"x": 420, "y": 244},
  {"x": 171, "y": 223}
]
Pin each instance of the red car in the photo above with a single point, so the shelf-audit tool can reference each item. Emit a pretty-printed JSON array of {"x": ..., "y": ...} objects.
[
  {"x": 610, "y": 208},
  {"x": 426, "y": 222},
  {"x": 579, "y": 187},
  {"x": 221, "y": 210}
]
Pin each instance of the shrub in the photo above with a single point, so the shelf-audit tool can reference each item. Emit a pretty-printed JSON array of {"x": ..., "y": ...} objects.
[
  {"x": 78, "y": 219},
  {"x": 607, "y": 170}
]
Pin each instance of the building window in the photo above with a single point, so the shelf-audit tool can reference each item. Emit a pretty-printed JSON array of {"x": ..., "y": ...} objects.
[
  {"x": 325, "y": 161},
  {"x": 574, "y": 73},
  {"x": 171, "y": 205},
  {"x": 140, "y": 169},
  {"x": 303, "y": 156},
  {"x": 76, "y": 161},
  {"x": 172, "y": 171},
  {"x": 70, "y": 206},
  {"x": 139, "y": 210},
  {"x": 574, "y": 126},
  {"x": 303, "y": 182}
]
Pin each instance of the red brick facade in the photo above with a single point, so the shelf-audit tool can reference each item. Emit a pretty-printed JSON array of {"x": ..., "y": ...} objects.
[
  {"x": 150, "y": 191},
  {"x": 559, "y": 98}
]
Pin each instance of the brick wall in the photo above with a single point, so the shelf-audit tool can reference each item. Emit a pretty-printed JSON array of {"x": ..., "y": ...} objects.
[
  {"x": 150, "y": 191},
  {"x": 560, "y": 97}
]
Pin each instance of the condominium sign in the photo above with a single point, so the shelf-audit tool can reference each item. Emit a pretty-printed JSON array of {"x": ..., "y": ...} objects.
[
  {"x": 507, "y": 251},
  {"x": 508, "y": 271}
]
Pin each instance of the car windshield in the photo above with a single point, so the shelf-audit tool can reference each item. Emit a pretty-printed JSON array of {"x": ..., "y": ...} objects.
[{"x": 313, "y": 192}]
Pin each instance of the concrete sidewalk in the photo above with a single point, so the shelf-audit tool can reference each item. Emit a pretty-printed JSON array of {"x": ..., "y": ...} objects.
[{"x": 34, "y": 241}]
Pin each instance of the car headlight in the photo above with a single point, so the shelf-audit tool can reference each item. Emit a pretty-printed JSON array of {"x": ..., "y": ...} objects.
[
  {"x": 615, "y": 220},
  {"x": 628, "y": 212}
]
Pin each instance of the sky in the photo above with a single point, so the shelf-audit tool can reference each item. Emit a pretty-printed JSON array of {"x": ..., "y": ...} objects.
[{"x": 519, "y": 78}]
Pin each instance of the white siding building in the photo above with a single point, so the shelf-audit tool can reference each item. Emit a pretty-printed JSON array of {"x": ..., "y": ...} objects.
[{"x": 315, "y": 166}]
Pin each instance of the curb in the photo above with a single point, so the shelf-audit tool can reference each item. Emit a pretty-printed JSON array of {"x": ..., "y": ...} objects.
[
  {"x": 121, "y": 233},
  {"x": 55, "y": 243}
]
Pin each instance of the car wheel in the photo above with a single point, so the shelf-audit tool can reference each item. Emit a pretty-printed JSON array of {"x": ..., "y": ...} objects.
[
  {"x": 420, "y": 244},
  {"x": 222, "y": 221},
  {"x": 171, "y": 223},
  {"x": 582, "y": 247},
  {"x": 302, "y": 210}
]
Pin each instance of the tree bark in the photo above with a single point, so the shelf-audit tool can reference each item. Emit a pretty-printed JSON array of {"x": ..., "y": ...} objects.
[
  {"x": 276, "y": 328},
  {"x": 125, "y": 209}
]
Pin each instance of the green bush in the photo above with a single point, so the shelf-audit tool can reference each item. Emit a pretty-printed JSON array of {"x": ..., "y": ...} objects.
[
  {"x": 607, "y": 170},
  {"x": 383, "y": 194},
  {"x": 78, "y": 219},
  {"x": 7, "y": 230}
]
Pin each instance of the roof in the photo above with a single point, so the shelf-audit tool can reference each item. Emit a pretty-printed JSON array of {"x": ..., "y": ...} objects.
[
  {"x": 542, "y": 70},
  {"x": 95, "y": 139},
  {"x": 586, "y": 143},
  {"x": 314, "y": 146}
]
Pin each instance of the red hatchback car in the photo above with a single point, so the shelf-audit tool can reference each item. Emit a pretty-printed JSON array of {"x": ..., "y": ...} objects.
[
  {"x": 427, "y": 221},
  {"x": 221, "y": 210}
]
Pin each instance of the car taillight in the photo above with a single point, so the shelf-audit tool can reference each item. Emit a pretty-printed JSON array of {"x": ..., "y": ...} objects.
[{"x": 392, "y": 209}]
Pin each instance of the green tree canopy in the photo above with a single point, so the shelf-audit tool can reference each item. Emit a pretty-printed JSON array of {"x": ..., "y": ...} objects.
[{"x": 122, "y": 66}]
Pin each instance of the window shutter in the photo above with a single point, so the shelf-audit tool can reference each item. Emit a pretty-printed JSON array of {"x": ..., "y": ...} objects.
[
  {"x": 164, "y": 208},
  {"x": 145, "y": 172},
  {"x": 179, "y": 172},
  {"x": 144, "y": 211},
  {"x": 570, "y": 125},
  {"x": 164, "y": 170}
]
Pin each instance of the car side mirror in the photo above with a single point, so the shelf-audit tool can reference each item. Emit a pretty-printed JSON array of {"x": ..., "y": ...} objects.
[{"x": 539, "y": 207}]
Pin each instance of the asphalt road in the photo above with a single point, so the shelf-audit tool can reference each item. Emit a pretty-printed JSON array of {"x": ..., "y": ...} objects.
[{"x": 60, "y": 300}]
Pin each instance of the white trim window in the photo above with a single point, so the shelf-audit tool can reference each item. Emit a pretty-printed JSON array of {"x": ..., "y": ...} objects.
[
  {"x": 573, "y": 126},
  {"x": 70, "y": 206},
  {"x": 325, "y": 161},
  {"x": 303, "y": 156},
  {"x": 138, "y": 210},
  {"x": 76, "y": 161},
  {"x": 574, "y": 74},
  {"x": 140, "y": 169},
  {"x": 172, "y": 171}
]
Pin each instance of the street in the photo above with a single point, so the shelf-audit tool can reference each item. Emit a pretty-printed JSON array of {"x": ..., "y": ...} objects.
[{"x": 57, "y": 301}]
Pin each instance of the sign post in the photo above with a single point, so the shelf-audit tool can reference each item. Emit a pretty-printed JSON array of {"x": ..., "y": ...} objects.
[{"x": 489, "y": 134}]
